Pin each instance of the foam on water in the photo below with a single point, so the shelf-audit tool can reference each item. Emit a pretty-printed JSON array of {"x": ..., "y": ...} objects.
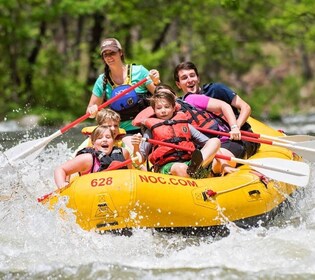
[{"x": 37, "y": 243}]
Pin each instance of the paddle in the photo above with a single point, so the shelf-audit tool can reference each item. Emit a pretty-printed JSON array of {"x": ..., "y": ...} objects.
[
  {"x": 113, "y": 166},
  {"x": 31, "y": 149},
  {"x": 296, "y": 138},
  {"x": 290, "y": 139},
  {"x": 288, "y": 171},
  {"x": 304, "y": 149}
]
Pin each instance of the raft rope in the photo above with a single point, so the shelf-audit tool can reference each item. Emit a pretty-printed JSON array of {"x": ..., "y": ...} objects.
[
  {"x": 209, "y": 195},
  {"x": 214, "y": 193}
]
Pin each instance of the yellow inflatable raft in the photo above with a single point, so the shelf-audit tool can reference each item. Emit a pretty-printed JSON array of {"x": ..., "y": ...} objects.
[{"x": 126, "y": 199}]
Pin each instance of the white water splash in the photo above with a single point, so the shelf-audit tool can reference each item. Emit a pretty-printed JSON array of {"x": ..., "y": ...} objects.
[{"x": 36, "y": 243}]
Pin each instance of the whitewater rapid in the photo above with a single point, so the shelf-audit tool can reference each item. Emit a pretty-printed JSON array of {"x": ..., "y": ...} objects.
[{"x": 37, "y": 243}]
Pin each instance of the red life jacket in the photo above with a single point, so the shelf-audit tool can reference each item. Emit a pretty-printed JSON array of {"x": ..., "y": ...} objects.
[
  {"x": 203, "y": 119},
  {"x": 176, "y": 131},
  {"x": 194, "y": 116}
]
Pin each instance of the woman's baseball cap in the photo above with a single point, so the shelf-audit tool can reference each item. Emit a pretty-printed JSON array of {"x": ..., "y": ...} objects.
[{"x": 110, "y": 44}]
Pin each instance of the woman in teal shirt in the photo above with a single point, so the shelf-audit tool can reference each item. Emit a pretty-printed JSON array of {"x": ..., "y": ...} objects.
[{"x": 117, "y": 75}]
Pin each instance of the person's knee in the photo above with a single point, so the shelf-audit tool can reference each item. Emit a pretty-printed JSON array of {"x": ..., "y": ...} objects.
[
  {"x": 179, "y": 169},
  {"x": 216, "y": 142}
]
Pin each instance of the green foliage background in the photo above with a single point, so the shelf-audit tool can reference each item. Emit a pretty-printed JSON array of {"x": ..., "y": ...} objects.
[{"x": 264, "y": 50}]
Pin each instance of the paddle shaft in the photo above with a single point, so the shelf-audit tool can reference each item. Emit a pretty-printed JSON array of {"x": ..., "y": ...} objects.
[
  {"x": 233, "y": 159},
  {"x": 175, "y": 146},
  {"x": 16, "y": 153},
  {"x": 105, "y": 104},
  {"x": 283, "y": 139},
  {"x": 264, "y": 141},
  {"x": 221, "y": 133},
  {"x": 256, "y": 135}
]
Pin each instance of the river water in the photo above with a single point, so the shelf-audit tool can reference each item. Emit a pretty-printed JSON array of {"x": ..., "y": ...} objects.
[{"x": 35, "y": 243}]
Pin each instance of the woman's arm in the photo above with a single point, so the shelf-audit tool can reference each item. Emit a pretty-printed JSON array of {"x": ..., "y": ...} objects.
[
  {"x": 215, "y": 105},
  {"x": 243, "y": 108},
  {"x": 151, "y": 88},
  {"x": 92, "y": 107},
  {"x": 155, "y": 77}
]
